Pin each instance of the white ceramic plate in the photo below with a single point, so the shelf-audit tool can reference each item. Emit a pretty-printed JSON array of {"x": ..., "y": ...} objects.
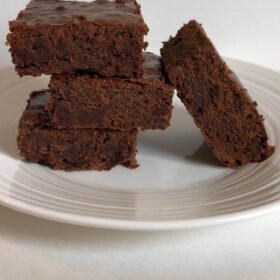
[{"x": 179, "y": 184}]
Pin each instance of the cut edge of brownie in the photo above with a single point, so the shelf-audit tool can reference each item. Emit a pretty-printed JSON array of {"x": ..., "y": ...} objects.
[
  {"x": 69, "y": 150},
  {"x": 89, "y": 102},
  {"x": 219, "y": 104}
]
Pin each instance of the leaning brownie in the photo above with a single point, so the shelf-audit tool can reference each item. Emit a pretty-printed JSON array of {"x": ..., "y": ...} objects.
[
  {"x": 102, "y": 37},
  {"x": 82, "y": 149},
  {"x": 218, "y": 103},
  {"x": 88, "y": 102}
]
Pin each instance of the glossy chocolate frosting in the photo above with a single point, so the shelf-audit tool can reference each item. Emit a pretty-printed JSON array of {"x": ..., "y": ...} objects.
[
  {"x": 57, "y": 12},
  {"x": 38, "y": 101},
  {"x": 152, "y": 67}
]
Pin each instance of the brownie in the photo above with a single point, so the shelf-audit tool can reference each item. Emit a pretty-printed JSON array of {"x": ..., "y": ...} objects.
[
  {"x": 101, "y": 37},
  {"x": 217, "y": 101},
  {"x": 88, "y": 102},
  {"x": 75, "y": 149}
]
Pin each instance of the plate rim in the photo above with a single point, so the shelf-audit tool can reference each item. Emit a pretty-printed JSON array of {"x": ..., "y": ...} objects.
[{"x": 131, "y": 225}]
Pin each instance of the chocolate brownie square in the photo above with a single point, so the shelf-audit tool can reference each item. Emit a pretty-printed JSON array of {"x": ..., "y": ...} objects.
[
  {"x": 101, "y": 37},
  {"x": 73, "y": 149},
  {"x": 217, "y": 101},
  {"x": 124, "y": 104}
]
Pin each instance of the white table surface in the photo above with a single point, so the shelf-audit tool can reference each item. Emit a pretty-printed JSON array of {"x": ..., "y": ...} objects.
[{"x": 31, "y": 248}]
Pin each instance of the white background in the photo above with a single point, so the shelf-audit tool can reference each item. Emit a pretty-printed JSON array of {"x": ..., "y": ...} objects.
[{"x": 31, "y": 248}]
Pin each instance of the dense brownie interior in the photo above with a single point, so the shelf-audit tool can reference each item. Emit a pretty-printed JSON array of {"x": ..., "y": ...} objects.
[
  {"x": 217, "y": 101},
  {"x": 80, "y": 149},
  {"x": 85, "y": 101}
]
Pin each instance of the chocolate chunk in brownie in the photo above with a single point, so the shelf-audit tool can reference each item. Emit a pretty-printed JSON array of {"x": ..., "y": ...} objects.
[
  {"x": 88, "y": 102},
  {"x": 101, "y": 37},
  {"x": 217, "y": 101},
  {"x": 73, "y": 149}
]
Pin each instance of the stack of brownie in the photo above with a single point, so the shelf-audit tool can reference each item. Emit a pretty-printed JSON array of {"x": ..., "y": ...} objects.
[{"x": 103, "y": 86}]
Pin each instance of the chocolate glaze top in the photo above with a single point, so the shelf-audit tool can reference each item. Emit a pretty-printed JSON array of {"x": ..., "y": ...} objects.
[
  {"x": 57, "y": 12},
  {"x": 152, "y": 67},
  {"x": 37, "y": 101}
]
